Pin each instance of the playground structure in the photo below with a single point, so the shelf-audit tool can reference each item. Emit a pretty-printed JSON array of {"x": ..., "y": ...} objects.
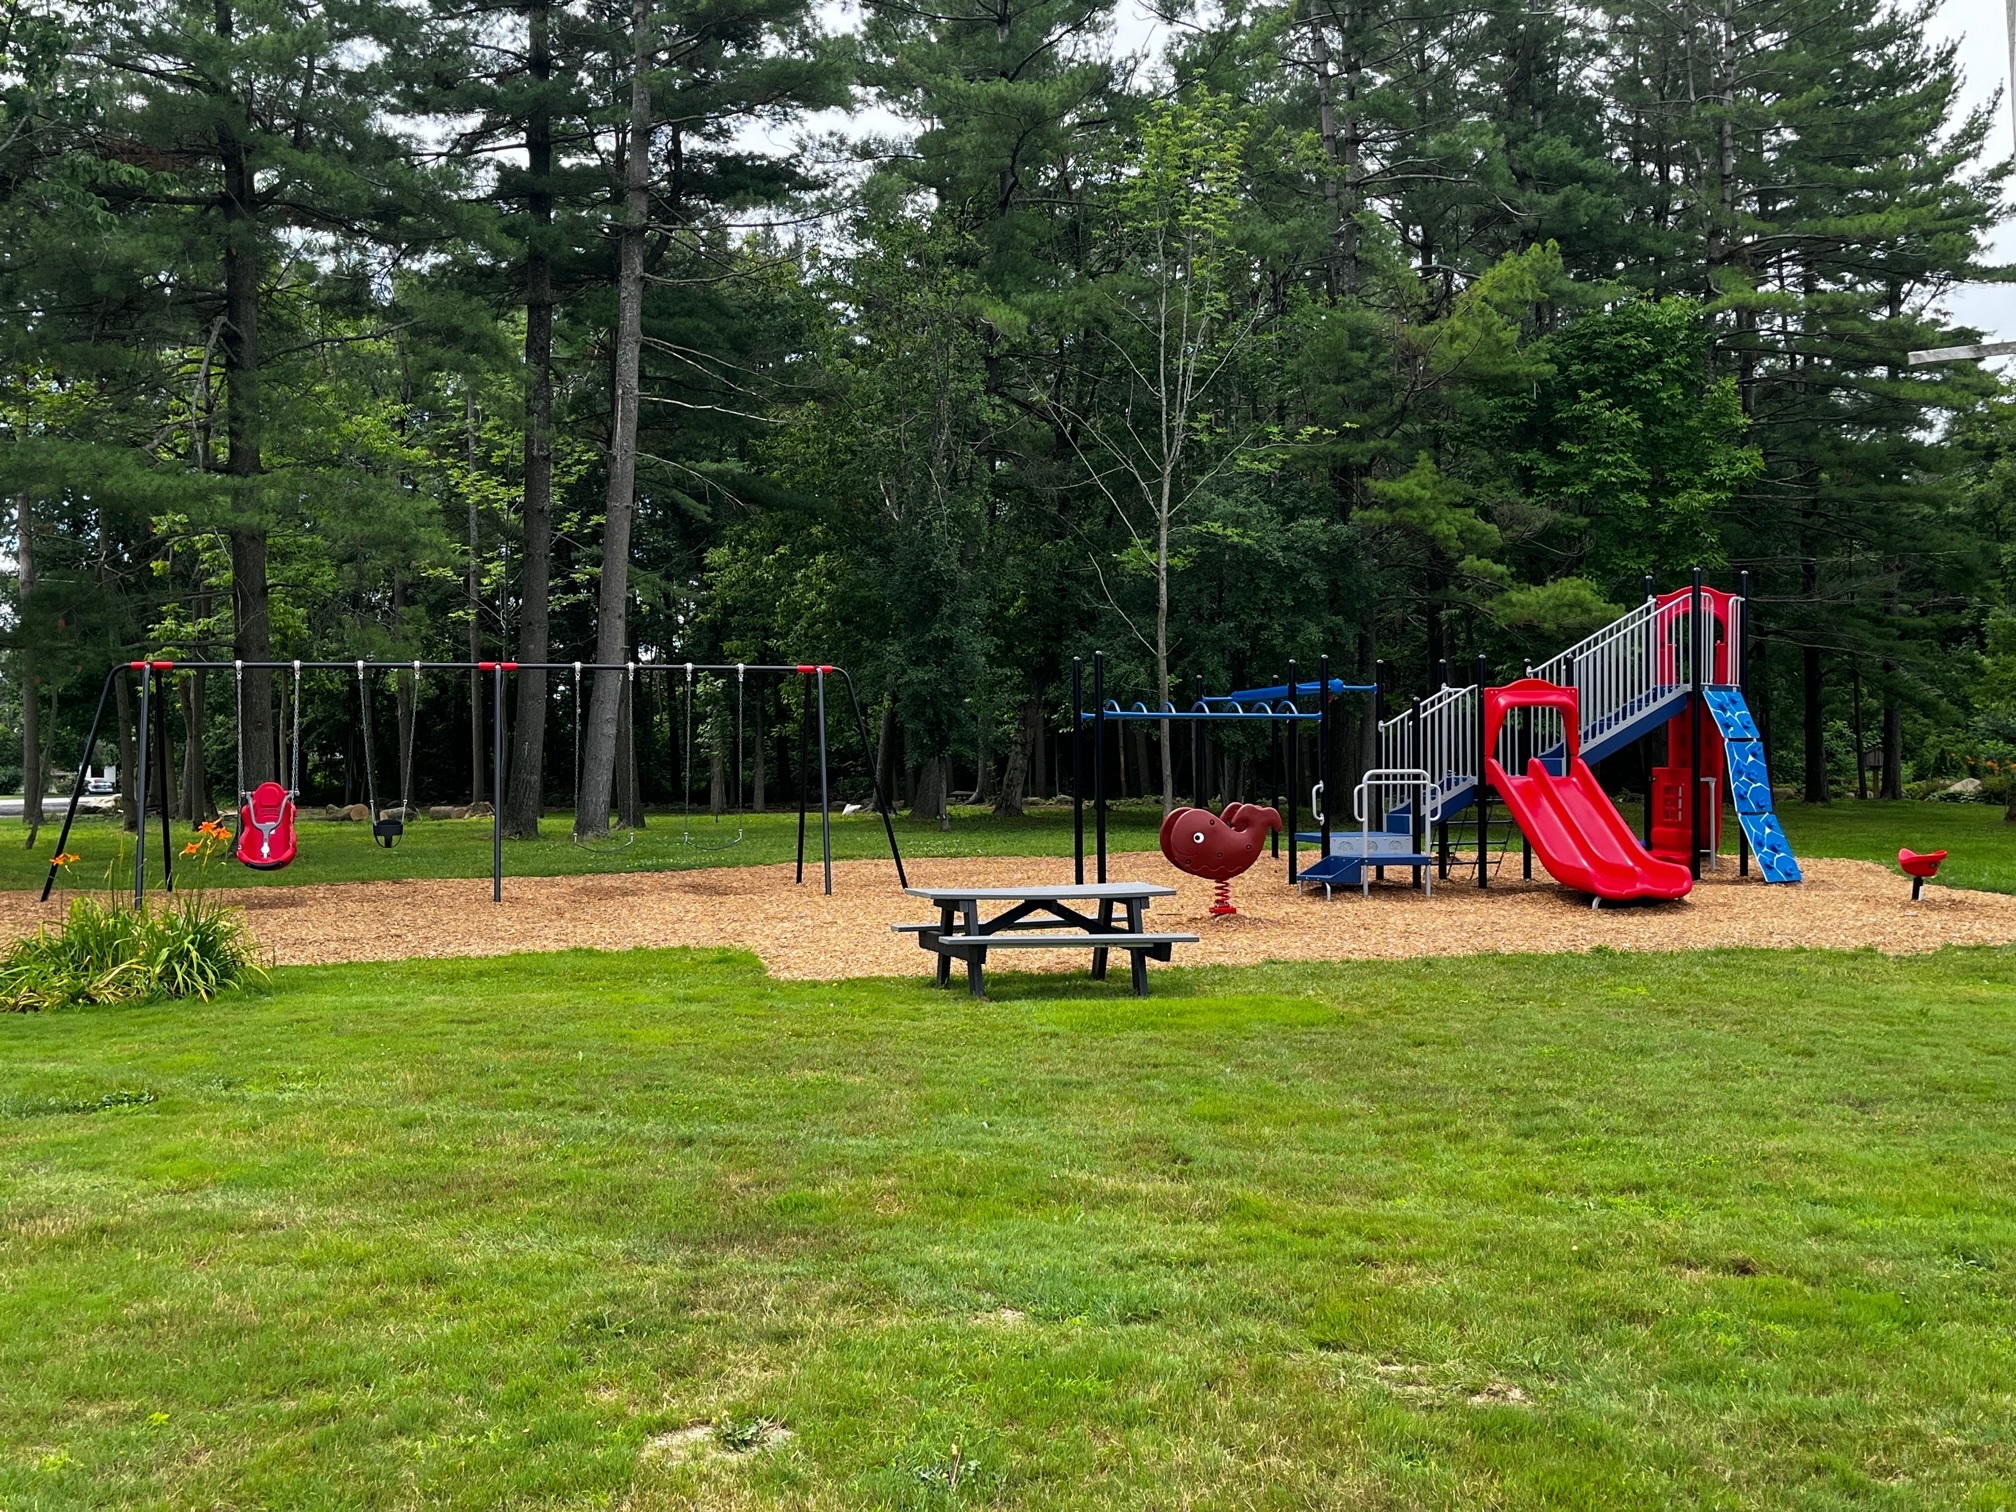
[
  {"x": 1677, "y": 664},
  {"x": 266, "y": 839}
]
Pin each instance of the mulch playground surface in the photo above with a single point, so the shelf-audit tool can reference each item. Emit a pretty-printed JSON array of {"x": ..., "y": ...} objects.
[{"x": 801, "y": 934}]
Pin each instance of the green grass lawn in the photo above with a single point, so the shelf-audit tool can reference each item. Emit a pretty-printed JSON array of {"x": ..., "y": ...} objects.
[
  {"x": 1719, "y": 1230},
  {"x": 1983, "y": 847}
]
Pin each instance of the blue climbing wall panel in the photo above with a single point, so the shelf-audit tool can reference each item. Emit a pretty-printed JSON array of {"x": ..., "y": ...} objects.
[{"x": 1750, "y": 785}]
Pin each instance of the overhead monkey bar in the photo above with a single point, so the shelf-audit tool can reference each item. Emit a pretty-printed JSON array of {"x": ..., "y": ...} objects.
[
  {"x": 155, "y": 672},
  {"x": 1276, "y": 705}
]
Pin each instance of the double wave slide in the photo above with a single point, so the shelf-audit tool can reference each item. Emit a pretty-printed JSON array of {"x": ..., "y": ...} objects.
[{"x": 1566, "y": 817}]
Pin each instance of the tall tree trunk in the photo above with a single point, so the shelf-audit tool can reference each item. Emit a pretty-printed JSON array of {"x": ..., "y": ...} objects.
[
  {"x": 251, "y": 607},
  {"x": 1015, "y": 774},
  {"x": 930, "y": 800},
  {"x": 885, "y": 758},
  {"x": 528, "y": 762},
  {"x": 612, "y": 617},
  {"x": 32, "y": 780},
  {"x": 1816, "y": 726},
  {"x": 1855, "y": 712},
  {"x": 1893, "y": 732},
  {"x": 196, "y": 805}
]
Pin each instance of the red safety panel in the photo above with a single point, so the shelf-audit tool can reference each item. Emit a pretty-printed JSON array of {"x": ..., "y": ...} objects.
[{"x": 266, "y": 828}]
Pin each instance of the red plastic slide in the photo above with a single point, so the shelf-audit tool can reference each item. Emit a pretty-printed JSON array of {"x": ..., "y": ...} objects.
[{"x": 1569, "y": 820}]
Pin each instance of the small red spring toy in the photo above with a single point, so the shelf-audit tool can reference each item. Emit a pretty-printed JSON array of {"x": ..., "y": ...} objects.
[
  {"x": 1920, "y": 869},
  {"x": 1218, "y": 846}
]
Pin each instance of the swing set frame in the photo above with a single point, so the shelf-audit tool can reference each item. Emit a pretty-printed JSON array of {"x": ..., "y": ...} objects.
[{"x": 152, "y": 746}]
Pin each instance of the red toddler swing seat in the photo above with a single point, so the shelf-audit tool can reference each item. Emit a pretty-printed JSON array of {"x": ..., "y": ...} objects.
[{"x": 266, "y": 828}]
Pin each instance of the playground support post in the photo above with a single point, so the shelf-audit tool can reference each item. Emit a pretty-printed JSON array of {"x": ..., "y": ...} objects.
[
  {"x": 167, "y": 770},
  {"x": 140, "y": 780},
  {"x": 83, "y": 773},
  {"x": 1739, "y": 655},
  {"x": 825, "y": 797},
  {"x": 1294, "y": 740},
  {"x": 1483, "y": 798},
  {"x": 804, "y": 787},
  {"x": 1323, "y": 744},
  {"x": 1099, "y": 757},
  {"x": 1078, "y": 770},
  {"x": 1696, "y": 706},
  {"x": 497, "y": 670},
  {"x": 1442, "y": 824}
]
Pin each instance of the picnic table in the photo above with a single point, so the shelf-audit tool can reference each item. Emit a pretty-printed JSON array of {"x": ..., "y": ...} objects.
[{"x": 961, "y": 934}]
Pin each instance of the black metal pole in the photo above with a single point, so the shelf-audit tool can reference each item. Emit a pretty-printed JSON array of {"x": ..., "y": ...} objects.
[
  {"x": 497, "y": 781},
  {"x": 882, "y": 803},
  {"x": 1695, "y": 707},
  {"x": 140, "y": 793},
  {"x": 825, "y": 795},
  {"x": 1739, "y": 674},
  {"x": 1323, "y": 748},
  {"x": 1417, "y": 818},
  {"x": 77, "y": 789},
  {"x": 1294, "y": 738},
  {"x": 167, "y": 769},
  {"x": 1574, "y": 682},
  {"x": 804, "y": 763},
  {"x": 1482, "y": 799},
  {"x": 1099, "y": 757},
  {"x": 1078, "y": 770}
]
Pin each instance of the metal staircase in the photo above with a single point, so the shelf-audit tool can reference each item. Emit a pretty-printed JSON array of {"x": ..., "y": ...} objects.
[{"x": 1632, "y": 676}]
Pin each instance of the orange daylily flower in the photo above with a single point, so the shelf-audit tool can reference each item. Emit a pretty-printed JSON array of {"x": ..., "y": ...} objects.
[
  {"x": 193, "y": 848},
  {"x": 65, "y": 858}
]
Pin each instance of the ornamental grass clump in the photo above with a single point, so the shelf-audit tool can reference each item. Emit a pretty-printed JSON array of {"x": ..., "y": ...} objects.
[{"x": 106, "y": 951}]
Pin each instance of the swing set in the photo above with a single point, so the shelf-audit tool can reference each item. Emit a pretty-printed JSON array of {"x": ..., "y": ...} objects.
[{"x": 267, "y": 813}]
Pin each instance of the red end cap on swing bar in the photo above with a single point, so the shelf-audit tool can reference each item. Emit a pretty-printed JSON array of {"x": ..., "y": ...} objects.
[
  {"x": 496, "y": 666},
  {"x": 151, "y": 666},
  {"x": 804, "y": 671}
]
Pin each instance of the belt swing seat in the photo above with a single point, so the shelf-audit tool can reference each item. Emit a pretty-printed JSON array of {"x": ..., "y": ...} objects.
[
  {"x": 266, "y": 839},
  {"x": 385, "y": 830}
]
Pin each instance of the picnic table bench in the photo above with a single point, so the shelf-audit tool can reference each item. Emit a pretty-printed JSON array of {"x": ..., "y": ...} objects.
[{"x": 961, "y": 934}]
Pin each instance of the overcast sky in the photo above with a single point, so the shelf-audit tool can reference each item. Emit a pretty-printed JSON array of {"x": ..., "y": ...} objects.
[{"x": 1985, "y": 56}]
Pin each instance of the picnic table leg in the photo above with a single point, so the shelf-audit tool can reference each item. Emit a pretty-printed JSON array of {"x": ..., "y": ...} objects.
[
  {"x": 1099, "y": 952},
  {"x": 975, "y": 982},
  {"x": 1140, "y": 957},
  {"x": 944, "y": 960}
]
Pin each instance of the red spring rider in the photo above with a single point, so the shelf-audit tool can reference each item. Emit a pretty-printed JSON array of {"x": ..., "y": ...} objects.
[
  {"x": 1920, "y": 869},
  {"x": 1218, "y": 846}
]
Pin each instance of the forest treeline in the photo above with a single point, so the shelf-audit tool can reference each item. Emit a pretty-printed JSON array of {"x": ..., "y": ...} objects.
[{"x": 1381, "y": 329}]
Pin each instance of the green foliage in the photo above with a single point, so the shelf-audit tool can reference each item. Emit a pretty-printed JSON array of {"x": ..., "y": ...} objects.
[{"x": 192, "y": 946}]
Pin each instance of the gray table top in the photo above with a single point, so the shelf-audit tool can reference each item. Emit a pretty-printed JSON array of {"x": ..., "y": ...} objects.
[{"x": 1087, "y": 890}]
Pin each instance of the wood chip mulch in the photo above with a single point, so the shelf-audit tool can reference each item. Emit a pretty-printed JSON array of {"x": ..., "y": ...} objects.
[{"x": 801, "y": 934}]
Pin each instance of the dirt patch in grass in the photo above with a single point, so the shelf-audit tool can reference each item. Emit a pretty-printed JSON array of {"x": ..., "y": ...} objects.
[{"x": 801, "y": 934}]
